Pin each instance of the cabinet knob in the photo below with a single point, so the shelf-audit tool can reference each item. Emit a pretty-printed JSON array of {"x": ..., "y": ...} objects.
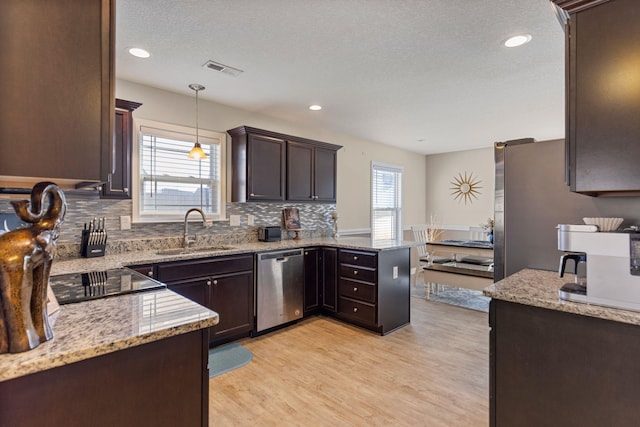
[
  {"x": 215, "y": 282},
  {"x": 252, "y": 194},
  {"x": 355, "y": 289},
  {"x": 355, "y": 309},
  {"x": 208, "y": 282},
  {"x": 355, "y": 272},
  {"x": 355, "y": 258},
  {"x": 150, "y": 273},
  {"x": 306, "y": 253},
  {"x": 125, "y": 189}
]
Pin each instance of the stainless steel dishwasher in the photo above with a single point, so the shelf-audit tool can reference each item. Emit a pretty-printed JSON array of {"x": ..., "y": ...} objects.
[{"x": 279, "y": 288}]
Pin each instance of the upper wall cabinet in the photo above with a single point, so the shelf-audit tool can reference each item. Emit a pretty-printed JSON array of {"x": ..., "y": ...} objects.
[
  {"x": 269, "y": 166},
  {"x": 603, "y": 95},
  {"x": 56, "y": 97},
  {"x": 118, "y": 185}
]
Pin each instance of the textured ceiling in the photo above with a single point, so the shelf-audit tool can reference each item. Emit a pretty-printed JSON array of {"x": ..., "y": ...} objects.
[{"x": 428, "y": 76}]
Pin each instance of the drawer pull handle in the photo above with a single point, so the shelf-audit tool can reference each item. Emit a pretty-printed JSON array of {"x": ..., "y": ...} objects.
[
  {"x": 355, "y": 289},
  {"x": 355, "y": 272},
  {"x": 355, "y": 309}
]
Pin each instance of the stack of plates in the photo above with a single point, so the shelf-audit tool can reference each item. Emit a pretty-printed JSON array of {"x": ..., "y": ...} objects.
[{"x": 604, "y": 224}]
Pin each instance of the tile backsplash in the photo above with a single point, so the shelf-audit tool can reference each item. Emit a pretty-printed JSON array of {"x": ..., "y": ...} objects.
[{"x": 315, "y": 221}]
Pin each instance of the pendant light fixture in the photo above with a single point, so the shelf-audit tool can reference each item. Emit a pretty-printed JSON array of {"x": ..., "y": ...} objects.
[{"x": 197, "y": 152}]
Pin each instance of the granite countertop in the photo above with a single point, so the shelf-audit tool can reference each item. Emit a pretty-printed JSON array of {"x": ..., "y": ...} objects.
[
  {"x": 93, "y": 328},
  {"x": 539, "y": 288},
  {"x": 143, "y": 255}
]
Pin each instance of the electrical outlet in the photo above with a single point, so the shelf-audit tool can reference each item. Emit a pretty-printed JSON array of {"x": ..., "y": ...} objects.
[
  {"x": 249, "y": 219},
  {"x": 395, "y": 271},
  {"x": 234, "y": 220},
  {"x": 125, "y": 222}
]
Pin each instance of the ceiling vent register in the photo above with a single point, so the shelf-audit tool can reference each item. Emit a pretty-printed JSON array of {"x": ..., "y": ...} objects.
[{"x": 216, "y": 66}]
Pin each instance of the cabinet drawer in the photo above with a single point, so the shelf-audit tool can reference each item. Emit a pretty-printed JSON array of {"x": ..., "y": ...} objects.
[
  {"x": 181, "y": 270},
  {"x": 357, "y": 290},
  {"x": 357, "y": 273},
  {"x": 359, "y": 311},
  {"x": 362, "y": 259}
]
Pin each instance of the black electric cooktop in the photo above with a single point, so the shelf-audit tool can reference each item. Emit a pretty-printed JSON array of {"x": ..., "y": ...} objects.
[{"x": 77, "y": 287}]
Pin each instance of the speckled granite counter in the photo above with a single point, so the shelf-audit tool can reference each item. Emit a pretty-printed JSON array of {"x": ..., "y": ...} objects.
[
  {"x": 539, "y": 288},
  {"x": 144, "y": 252},
  {"x": 94, "y": 328}
]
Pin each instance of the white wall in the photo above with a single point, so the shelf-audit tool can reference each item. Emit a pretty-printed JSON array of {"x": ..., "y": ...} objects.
[
  {"x": 354, "y": 160},
  {"x": 441, "y": 171}
]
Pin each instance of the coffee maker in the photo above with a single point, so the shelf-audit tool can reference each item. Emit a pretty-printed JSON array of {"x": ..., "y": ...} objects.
[{"x": 612, "y": 266}]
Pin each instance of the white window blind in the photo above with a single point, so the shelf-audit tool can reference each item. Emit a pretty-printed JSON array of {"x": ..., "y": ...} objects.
[
  {"x": 169, "y": 182},
  {"x": 386, "y": 202}
]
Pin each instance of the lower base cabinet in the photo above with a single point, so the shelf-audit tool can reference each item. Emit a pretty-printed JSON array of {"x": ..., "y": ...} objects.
[
  {"x": 549, "y": 367},
  {"x": 374, "y": 289},
  {"x": 320, "y": 281},
  {"x": 162, "y": 383},
  {"x": 222, "y": 284}
]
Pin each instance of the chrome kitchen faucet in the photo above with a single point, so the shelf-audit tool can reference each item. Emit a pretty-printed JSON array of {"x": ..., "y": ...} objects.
[{"x": 186, "y": 241}]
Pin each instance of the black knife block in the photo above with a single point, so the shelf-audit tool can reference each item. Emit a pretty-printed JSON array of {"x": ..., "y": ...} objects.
[{"x": 97, "y": 246}]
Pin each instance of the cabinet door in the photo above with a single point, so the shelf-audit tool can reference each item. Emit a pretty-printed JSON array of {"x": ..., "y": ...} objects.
[
  {"x": 265, "y": 168},
  {"x": 604, "y": 103},
  {"x": 196, "y": 290},
  {"x": 300, "y": 172},
  {"x": 231, "y": 296},
  {"x": 311, "y": 280},
  {"x": 57, "y": 88},
  {"x": 119, "y": 179},
  {"x": 324, "y": 172},
  {"x": 329, "y": 269}
]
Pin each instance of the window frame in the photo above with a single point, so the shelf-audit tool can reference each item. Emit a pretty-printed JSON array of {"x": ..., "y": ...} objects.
[
  {"x": 398, "y": 209},
  {"x": 189, "y": 135}
]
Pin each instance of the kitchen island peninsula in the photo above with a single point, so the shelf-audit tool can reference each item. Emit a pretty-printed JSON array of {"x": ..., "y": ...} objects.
[
  {"x": 554, "y": 362},
  {"x": 128, "y": 360}
]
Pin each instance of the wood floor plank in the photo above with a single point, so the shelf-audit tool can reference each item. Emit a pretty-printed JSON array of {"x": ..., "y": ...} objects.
[{"x": 322, "y": 372}]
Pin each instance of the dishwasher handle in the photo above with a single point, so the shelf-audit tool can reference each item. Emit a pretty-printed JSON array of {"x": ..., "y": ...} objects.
[{"x": 280, "y": 255}]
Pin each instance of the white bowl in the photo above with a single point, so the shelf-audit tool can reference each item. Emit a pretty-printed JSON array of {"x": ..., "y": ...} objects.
[{"x": 604, "y": 224}]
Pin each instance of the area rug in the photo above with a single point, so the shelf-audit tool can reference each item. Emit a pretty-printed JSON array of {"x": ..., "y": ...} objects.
[
  {"x": 227, "y": 358},
  {"x": 461, "y": 297}
]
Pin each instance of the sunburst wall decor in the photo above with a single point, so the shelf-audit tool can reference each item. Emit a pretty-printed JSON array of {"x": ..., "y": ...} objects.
[{"x": 465, "y": 187}]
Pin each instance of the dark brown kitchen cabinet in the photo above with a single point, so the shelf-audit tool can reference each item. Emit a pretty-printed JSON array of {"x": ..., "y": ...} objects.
[
  {"x": 57, "y": 80},
  {"x": 118, "y": 184},
  {"x": 311, "y": 173},
  {"x": 114, "y": 389},
  {"x": 373, "y": 288},
  {"x": 258, "y": 166},
  {"x": 270, "y": 166},
  {"x": 320, "y": 280},
  {"x": 549, "y": 367},
  {"x": 603, "y": 102},
  {"x": 223, "y": 284},
  {"x": 311, "y": 281}
]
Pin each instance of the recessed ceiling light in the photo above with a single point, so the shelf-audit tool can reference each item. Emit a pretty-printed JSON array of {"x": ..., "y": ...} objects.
[
  {"x": 518, "y": 40},
  {"x": 139, "y": 52},
  {"x": 315, "y": 107}
]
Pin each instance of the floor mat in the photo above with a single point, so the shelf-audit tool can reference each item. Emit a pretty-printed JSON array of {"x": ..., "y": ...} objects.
[{"x": 227, "y": 358}]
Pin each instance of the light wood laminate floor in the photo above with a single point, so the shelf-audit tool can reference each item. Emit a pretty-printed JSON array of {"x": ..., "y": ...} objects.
[{"x": 322, "y": 372}]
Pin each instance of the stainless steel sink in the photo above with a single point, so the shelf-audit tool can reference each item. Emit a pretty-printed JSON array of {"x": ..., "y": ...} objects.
[{"x": 181, "y": 251}]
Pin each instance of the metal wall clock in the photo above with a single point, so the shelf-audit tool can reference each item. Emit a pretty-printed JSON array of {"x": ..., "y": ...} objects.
[{"x": 465, "y": 187}]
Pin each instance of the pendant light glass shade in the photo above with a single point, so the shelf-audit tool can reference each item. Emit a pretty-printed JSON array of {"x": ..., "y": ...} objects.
[{"x": 197, "y": 152}]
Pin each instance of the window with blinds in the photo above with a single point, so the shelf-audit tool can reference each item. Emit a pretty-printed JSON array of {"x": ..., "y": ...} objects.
[
  {"x": 386, "y": 202},
  {"x": 169, "y": 182}
]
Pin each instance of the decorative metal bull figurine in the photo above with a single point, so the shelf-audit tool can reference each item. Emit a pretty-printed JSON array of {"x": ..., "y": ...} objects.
[{"x": 26, "y": 255}]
